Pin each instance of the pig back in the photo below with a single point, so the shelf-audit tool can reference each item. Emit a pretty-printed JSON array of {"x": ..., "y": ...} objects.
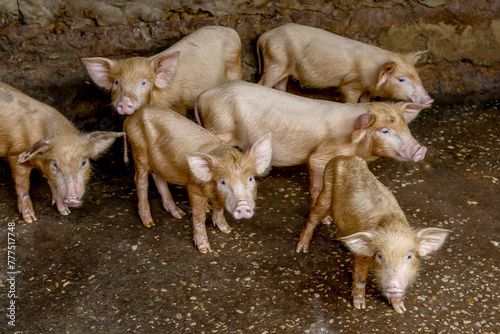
[
  {"x": 243, "y": 112},
  {"x": 204, "y": 58},
  {"x": 24, "y": 121},
  {"x": 359, "y": 200},
  {"x": 321, "y": 59},
  {"x": 160, "y": 139}
]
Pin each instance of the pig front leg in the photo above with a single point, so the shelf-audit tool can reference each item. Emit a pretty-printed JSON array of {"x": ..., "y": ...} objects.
[
  {"x": 142, "y": 184},
  {"x": 352, "y": 93},
  {"x": 166, "y": 196},
  {"x": 198, "y": 204},
  {"x": 361, "y": 265},
  {"x": 219, "y": 219},
  {"x": 21, "y": 176},
  {"x": 56, "y": 199}
]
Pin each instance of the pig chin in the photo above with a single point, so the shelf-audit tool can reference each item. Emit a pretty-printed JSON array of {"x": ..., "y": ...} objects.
[{"x": 72, "y": 201}]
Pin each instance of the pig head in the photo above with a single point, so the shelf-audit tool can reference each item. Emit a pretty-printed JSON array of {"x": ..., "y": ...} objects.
[
  {"x": 395, "y": 253},
  {"x": 64, "y": 161},
  {"x": 400, "y": 80},
  {"x": 133, "y": 81},
  {"x": 384, "y": 132},
  {"x": 228, "y": 180}
]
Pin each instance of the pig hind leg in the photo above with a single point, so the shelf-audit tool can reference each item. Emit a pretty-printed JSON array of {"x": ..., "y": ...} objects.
[
  {"x": 166, "y": 196},
  {"x": 142, "y": 185},
  {"x": 318, "y": 212},
  {"x": 361, "y": 265},
  {"x": 21, "y": 176}
]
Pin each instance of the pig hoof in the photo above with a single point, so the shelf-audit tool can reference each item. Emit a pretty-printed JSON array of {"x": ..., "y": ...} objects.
[
  {"x": 359, "y": 304},
  {"x": 30, "y": 218},
  {"x": 64, "y": 211},
  {"x": 149, "y": 224},
  {"x": 204, "y": 248},
  {"x": 178, "y": 214},
  {"x": 327, "y": 220},
  {"x": 304, "y": 248},
  {"x": 398, "y": 305}
]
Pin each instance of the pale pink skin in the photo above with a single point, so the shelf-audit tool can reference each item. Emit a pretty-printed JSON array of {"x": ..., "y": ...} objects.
[
  {"x": 175, "y": 77},
  {"x": 35, "y": 135},
  {"x": 320, "y": 59},
  {"x": 375, "y": 230},
  {"x": 241, "y": 112},
  {"x": 176, "y": 150}
]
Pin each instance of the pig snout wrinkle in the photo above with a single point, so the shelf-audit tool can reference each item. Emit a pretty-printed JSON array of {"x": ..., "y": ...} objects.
[
  {"x": 243, "y": 210},
  {"x": 420, "y": 154},
  {"x": 72, "y": 200}
]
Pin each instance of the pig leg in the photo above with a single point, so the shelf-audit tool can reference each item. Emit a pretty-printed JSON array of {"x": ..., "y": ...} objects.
[
  {"x": 316, "y": 170},
  {"x": 142, "y": 184},
  {"x": 168, "y": 201},
  {"x": 319, "y": 211},
  {"x": 21, "y": 176},
  {"x": 351, "y": 92},
  {"x": 198, "y": 204},
  {"x": 361, "y": 265},
  {"x": 219, "y": 219},
  {"x": 56, "y": 199}
]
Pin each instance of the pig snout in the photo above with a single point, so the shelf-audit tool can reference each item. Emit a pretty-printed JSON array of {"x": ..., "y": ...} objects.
[
  {"x": 394, "y": 290},
  {"x": 419, "y": 154},
  {"x": 125, "y": 107},
  {"x": 72, "y": 200},
  {"x": 243, "y": 210}
]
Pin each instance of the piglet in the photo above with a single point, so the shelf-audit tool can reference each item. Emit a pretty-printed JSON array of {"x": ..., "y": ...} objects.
[
  {"x": 175, "y": 77},
  {"x": 176, "y": 150},
  {"x": 308, "y": 130},
  {"x": 321, "y": 59},
  {"x": 35, "y": 135},
  {"x": 375, "y": 230}
]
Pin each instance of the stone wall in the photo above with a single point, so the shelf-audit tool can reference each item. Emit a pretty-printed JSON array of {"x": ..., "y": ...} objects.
[{"x": 41, "y": 41}]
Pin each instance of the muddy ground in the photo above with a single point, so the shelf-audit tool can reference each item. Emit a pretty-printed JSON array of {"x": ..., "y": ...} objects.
[{"x": 99, "y": 270}]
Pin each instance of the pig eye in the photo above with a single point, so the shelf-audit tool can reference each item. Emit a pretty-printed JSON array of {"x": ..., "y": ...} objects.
[
  {"x": 251, "y": 179},
  {"x": 84, "y": 163},
  {"x": 401, "y": 79},
  {"x": 53, "y": 166},
  {"x": 385, "y": 130},
  {"x": 380, "y": 258},
  {"x": 409, "y": 256},
  {"x": 222, "y": 182},
  {"x": 116, "y": 82},
  {"x": 143, "y": 83}
]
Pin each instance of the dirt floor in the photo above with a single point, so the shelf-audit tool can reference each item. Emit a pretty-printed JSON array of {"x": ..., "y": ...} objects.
[{"x": 99, "y": 270}]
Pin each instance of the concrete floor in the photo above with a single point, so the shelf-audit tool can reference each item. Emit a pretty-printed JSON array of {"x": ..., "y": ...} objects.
[{"x": 99, "y": 270}]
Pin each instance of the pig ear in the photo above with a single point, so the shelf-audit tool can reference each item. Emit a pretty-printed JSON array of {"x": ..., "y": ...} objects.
[
  {"x": 414, "y": 57},
  {"x": 99, "y": 70},
  {"x": 165, "y": 67},
  {"x": 385, "y": 71},
  {"x": 201, "y": 165},
  {"x": 40, "y": 146},
  {"x": 100, "y": 141},
  {"x": 363, "y": 122},
  {"x": 430, "y": 239},
  {"x": 411, "y": 110},
  {"x": 262, "y": 153},
  {"x": 360, "y": 243}
]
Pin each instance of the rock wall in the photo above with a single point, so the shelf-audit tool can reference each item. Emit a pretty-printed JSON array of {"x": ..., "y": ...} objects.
[{"x": 41, "y": 41}]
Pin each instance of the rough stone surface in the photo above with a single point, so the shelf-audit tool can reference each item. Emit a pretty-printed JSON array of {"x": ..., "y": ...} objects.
[{"x": 41, "y": 42}]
